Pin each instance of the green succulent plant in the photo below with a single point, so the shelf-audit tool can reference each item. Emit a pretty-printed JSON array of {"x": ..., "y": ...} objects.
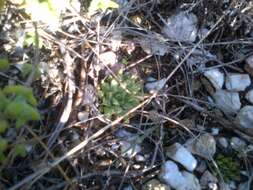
[
  {"x": 118, "y": 98},
  {"x": 229, "y": 168},
  {"x": 17, "y": 108}
]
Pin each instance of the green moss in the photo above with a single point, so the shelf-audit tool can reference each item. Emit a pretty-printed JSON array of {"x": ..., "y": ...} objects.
[{"x": 229, "y": 168}]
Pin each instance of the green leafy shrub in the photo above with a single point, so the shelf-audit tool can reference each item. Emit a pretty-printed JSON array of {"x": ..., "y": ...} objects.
[
  {"x": 229, "y": 168},
  {"x": 17, "y": 107},
  {"x": 115, "y": 97}
]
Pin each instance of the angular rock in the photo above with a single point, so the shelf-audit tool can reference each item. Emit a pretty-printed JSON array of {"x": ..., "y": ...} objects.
[
  {"x": 171, "y": 175},
  {"x": 154, "y": 184},
  {"x": 249, "y": 96},
  {"x": 237, "y": 144},
  {"x": 153, "y": 46},
  {"x": 249, "y": 65},
  {"x": 129, "y": 148},
  {"x": 181, "y": 27},
  {"x": 156, "y": 85},
  {"x": 180, "y": 154},
  {"x": 108, "y": 58},
  {"x": 204, "y": 146},
  {"x": 228, "y": 102},
  {"x": 245, "y": 117},
  {"x": 216, "y": 77},
  {"x": 237, "y": 82},
  {"x": 207, "y": 180},
  {"x": 223, "y": 142},
  {"x": 192, "y": 183}
]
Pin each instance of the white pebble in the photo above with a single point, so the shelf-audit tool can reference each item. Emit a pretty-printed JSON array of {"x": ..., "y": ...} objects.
[
  {"x": 216, "y": 77},
  {"x": 237, "y": 82},
  {"x": 249, "y": 96},
  {"x": 180, "y": 154}
]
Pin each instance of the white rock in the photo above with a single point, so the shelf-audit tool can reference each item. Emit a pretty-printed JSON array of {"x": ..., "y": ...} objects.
[
  {"x": 237, "y": 82},
  {"x": 228, "y": 102},
  {"x": 108, "y": 58},
  {"x": 223, "y": 142},
  {"x": 198, "y": 58},
  {"x": 215, "y": 131},
  {"x": 139, "y": 158},
  {"x": 237, "y": 144},
  {"x": 204, "y": 146},
  {"x": 129, "y": 187},
  {"x": 192, "y": 183},
  {"x": 245, "y": 117},
  {"x": 181, "y": 27},
  {"x": 180, "y": 154},
  {"x": 122, "y": 133},
  {"x": 155, "y": 86},
  {"x": 154, "y": 184},
  {"x": 129, "y": 145},
  {"x": 171, "y": 175},
  {"x": 249, "y": 96},
  {"x": 129, "y": 149},
  {"x": 116, "y": 40},
  {"x": 216, "y": 77},
  {"x": 206, "y": 179},
  {"x": 153, "y": 46}
]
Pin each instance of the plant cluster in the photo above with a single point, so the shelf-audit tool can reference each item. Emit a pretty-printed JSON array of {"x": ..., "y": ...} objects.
[
  {"x": 229, "y": 168},
  {"x": 118, "y": 97},
  {"x": 17, "y": 108}
]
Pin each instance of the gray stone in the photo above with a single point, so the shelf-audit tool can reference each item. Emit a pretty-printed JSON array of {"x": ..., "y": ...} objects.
[
  {"x": 171, "y": 175},
  {"x": 237, "y": 82},
  {"x": 237, "y": 144},
  {"x": 223, "y": 142},
  {"x": 216, "y": 77},
  {"x": 206, "y": 179},
  {"x": 155, "y": 86},
  {"x": 192, "y": 183},
  {"x": 245, "y": 117},
  {"x": 228, "y": 102},
  {"x": 204, "y": 146},
  {"x": 180, "y": 154},
  {"x": 249, "y": 96},
  {"x": 181, "y": 27}
]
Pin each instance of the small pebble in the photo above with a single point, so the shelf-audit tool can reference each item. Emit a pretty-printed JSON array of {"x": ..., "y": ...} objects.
[
  {"x": 223, "y": 142},
  {"x": 180, "y": 154},
  {"x": 228, "y": 102},
  {"x": 215, "y": 131},
  {"x": 237, "y": 144},
  {"x": 216, "y": 77},
  {"x": 249, "y": 96},
  {"x": 245, "y": 117},
  {"x": 154, "y": 184},
  {"x": 237, "y": 82}
]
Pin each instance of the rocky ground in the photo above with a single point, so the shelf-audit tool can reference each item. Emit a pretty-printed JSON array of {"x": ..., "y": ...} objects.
[{"x": 152, "y": 95}]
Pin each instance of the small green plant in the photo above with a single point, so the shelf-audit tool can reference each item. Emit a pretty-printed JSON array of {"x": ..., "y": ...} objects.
[
  {"x": 101, "y": 4},
  {"x": 117, "y": 98},
  {"x": 4, "y": 64},
  {"x": 229, "y": 168},
  {"x": 17, "y": 108}
]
